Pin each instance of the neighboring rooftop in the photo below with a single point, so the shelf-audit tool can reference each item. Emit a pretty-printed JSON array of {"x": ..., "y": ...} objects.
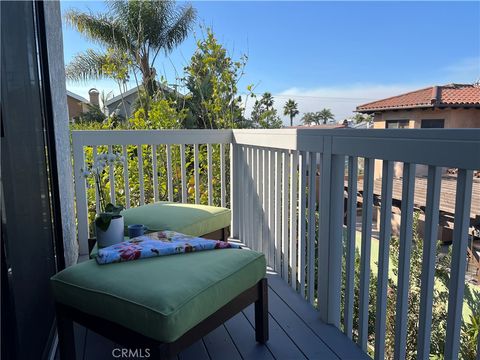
[
  {"x": 451, "y": 95},
  {"x": 134, "y": 90},
  {"x": 77, "y": 97}
]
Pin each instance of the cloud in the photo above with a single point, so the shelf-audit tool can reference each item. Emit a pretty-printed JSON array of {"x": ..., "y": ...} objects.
[{"x": 466, "y": 70}]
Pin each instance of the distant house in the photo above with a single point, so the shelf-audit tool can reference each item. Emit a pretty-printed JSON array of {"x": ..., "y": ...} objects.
[
  {"x": 121, "y": 105},
  {"x": 77, "y": 105},
  {"x": 447, "y": 106}
]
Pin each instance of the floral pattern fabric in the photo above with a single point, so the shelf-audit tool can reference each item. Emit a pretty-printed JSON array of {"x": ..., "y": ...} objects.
[{"x": 159, "y": 243}]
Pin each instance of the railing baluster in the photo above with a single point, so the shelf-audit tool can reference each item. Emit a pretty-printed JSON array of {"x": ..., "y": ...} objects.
[
  {"x": 366, "y": 252},
  {"x": 251, "y": 197},
  {"x": 271, "y": 209},
  {"x": 350, "y": 246},
  {"x": 312, "y": 204},
  {"x": 254, "y": 208},
  {"x": 247, "y": 195},
  {"x": 285, "y": 183},
  {"x": 196, "y": 174},
  {"x": 234, "y": 176},
  {"x": 140, "y": 174},
  {"x": 293, "y": 217},
  {"x": 406, "y": 233},
  {"x": 183, "y": 176},
  {"x": 301, "y": 259},
  {"x": 278, "y": 211},
  {"x": 169, "y": 173},
  {"x": 456, "y": 284},
  {"x": 242, "y": 190},
  {"x": 383, "y": 258},
  {"x": 428, "y": 261},
  {"x": 126, "y": 177},
  {"x": 155, "y": 172},
  {"x": 222, "y": 176},
  {"x": 111, "y": 176},
  {"x": 210, "y": 172},
  {"x": 265, "y": 206},
  {"x": 97, "y": 195},
  {"x": 261, "y": 213},
  {"x": 266, "y": 240}
]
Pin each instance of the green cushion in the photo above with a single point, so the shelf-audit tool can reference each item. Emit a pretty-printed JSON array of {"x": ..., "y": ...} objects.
[
  {"x": 161, "y": 297},
  {"x": 190, "y": 219}
]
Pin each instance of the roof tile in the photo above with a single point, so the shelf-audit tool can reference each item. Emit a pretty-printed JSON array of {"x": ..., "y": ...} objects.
[{"x": 452, "y": 94}]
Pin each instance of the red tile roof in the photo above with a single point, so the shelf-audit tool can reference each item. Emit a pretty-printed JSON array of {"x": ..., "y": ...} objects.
[{"x": 433, "y": 96}]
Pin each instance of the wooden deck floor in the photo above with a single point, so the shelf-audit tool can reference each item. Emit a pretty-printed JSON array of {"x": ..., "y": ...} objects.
[{"x": 295, "y": 333}]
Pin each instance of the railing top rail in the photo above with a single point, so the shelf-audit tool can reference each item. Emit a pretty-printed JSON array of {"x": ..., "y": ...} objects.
[
  {"x": 450, "y": 134},
  {"x": 130, "y": 137},
  {"x": 439, "y": 147}
]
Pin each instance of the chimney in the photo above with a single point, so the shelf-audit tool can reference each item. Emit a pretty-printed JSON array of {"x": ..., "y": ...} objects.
[
  {"x": 435, "y": 93},
  {"x": 94, "y": 94}
]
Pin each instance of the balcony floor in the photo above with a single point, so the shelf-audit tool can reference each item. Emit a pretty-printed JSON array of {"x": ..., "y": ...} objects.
[{"x": 295, "y": 333}]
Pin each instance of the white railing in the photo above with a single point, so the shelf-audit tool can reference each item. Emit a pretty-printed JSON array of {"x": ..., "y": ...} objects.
[
  {"x": 161, "y": 159},
  {"x": 287, "y": 197},
  {"x": 275, "y": 207}
]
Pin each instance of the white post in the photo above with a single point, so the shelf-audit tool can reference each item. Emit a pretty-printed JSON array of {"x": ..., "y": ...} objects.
[
  {"x": 233, "y": 189},
  {"x": 330, "y": 234}
]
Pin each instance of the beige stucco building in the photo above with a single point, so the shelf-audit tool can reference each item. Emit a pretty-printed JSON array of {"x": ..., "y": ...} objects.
[{"x": 447, "y": 106}]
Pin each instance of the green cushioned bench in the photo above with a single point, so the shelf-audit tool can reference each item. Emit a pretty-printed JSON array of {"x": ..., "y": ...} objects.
[
  {"x": 210, "y": 222},
  {"x": 164, "y": 303},
  {"x": 190, "y": 219}
]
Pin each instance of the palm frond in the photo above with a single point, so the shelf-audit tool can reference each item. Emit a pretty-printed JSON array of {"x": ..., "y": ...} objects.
[
  {"x": 86, "y": 66},
  {"x": 179, "y": 28},
  {"x": 100, "y": 28}
]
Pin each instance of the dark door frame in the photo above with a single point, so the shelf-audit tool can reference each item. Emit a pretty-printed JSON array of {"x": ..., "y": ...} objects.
[{"x": 10, "y": 341}]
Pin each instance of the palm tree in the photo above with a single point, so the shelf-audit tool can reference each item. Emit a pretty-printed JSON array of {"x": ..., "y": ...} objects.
[
  {"x": 267, "y": 100},
  {"x": 139, "y": 29},
  {"x": 325, "y": 115},
  {"x": 291, "y": 109},
  {"x": 310, "y": 118}
]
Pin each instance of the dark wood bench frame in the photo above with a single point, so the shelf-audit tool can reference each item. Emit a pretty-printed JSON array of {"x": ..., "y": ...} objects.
[{"x": 130, "y": 339}]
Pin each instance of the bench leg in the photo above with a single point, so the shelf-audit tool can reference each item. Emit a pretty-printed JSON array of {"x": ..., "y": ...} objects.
[
  {"x": 66, "y": 337},
  {"x": 261, "y": 312}
]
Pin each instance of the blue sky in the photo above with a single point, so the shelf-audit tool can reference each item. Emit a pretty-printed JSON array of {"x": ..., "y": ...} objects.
[{"x": 327, "y": 54}]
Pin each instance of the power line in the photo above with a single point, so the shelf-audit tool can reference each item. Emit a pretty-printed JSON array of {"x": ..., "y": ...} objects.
[{"x": 315, "y": 97}]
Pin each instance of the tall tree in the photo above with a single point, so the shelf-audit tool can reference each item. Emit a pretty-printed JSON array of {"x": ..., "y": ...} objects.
[
  {"x": 358, "y": 118},
  {"x": 317, "y": 118},
  {"x": 211, "y": 78},
  {"x": 326, "y": 115},
  {"x": 267, "y": 100},
  {"x": 290, "y": 109},
  {"x": 264, "y": 115},
  {"x": 139, "y": 29},
  {"x": 311, "y": 118}
]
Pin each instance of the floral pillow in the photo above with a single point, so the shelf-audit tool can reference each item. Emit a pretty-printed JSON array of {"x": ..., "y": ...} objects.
[{"x": 159, "y": 243}]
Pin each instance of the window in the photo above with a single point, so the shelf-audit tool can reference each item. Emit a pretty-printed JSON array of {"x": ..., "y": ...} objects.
[
  {"x": 397, "y": 124},
  {"x": 433, "y": 124}
]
